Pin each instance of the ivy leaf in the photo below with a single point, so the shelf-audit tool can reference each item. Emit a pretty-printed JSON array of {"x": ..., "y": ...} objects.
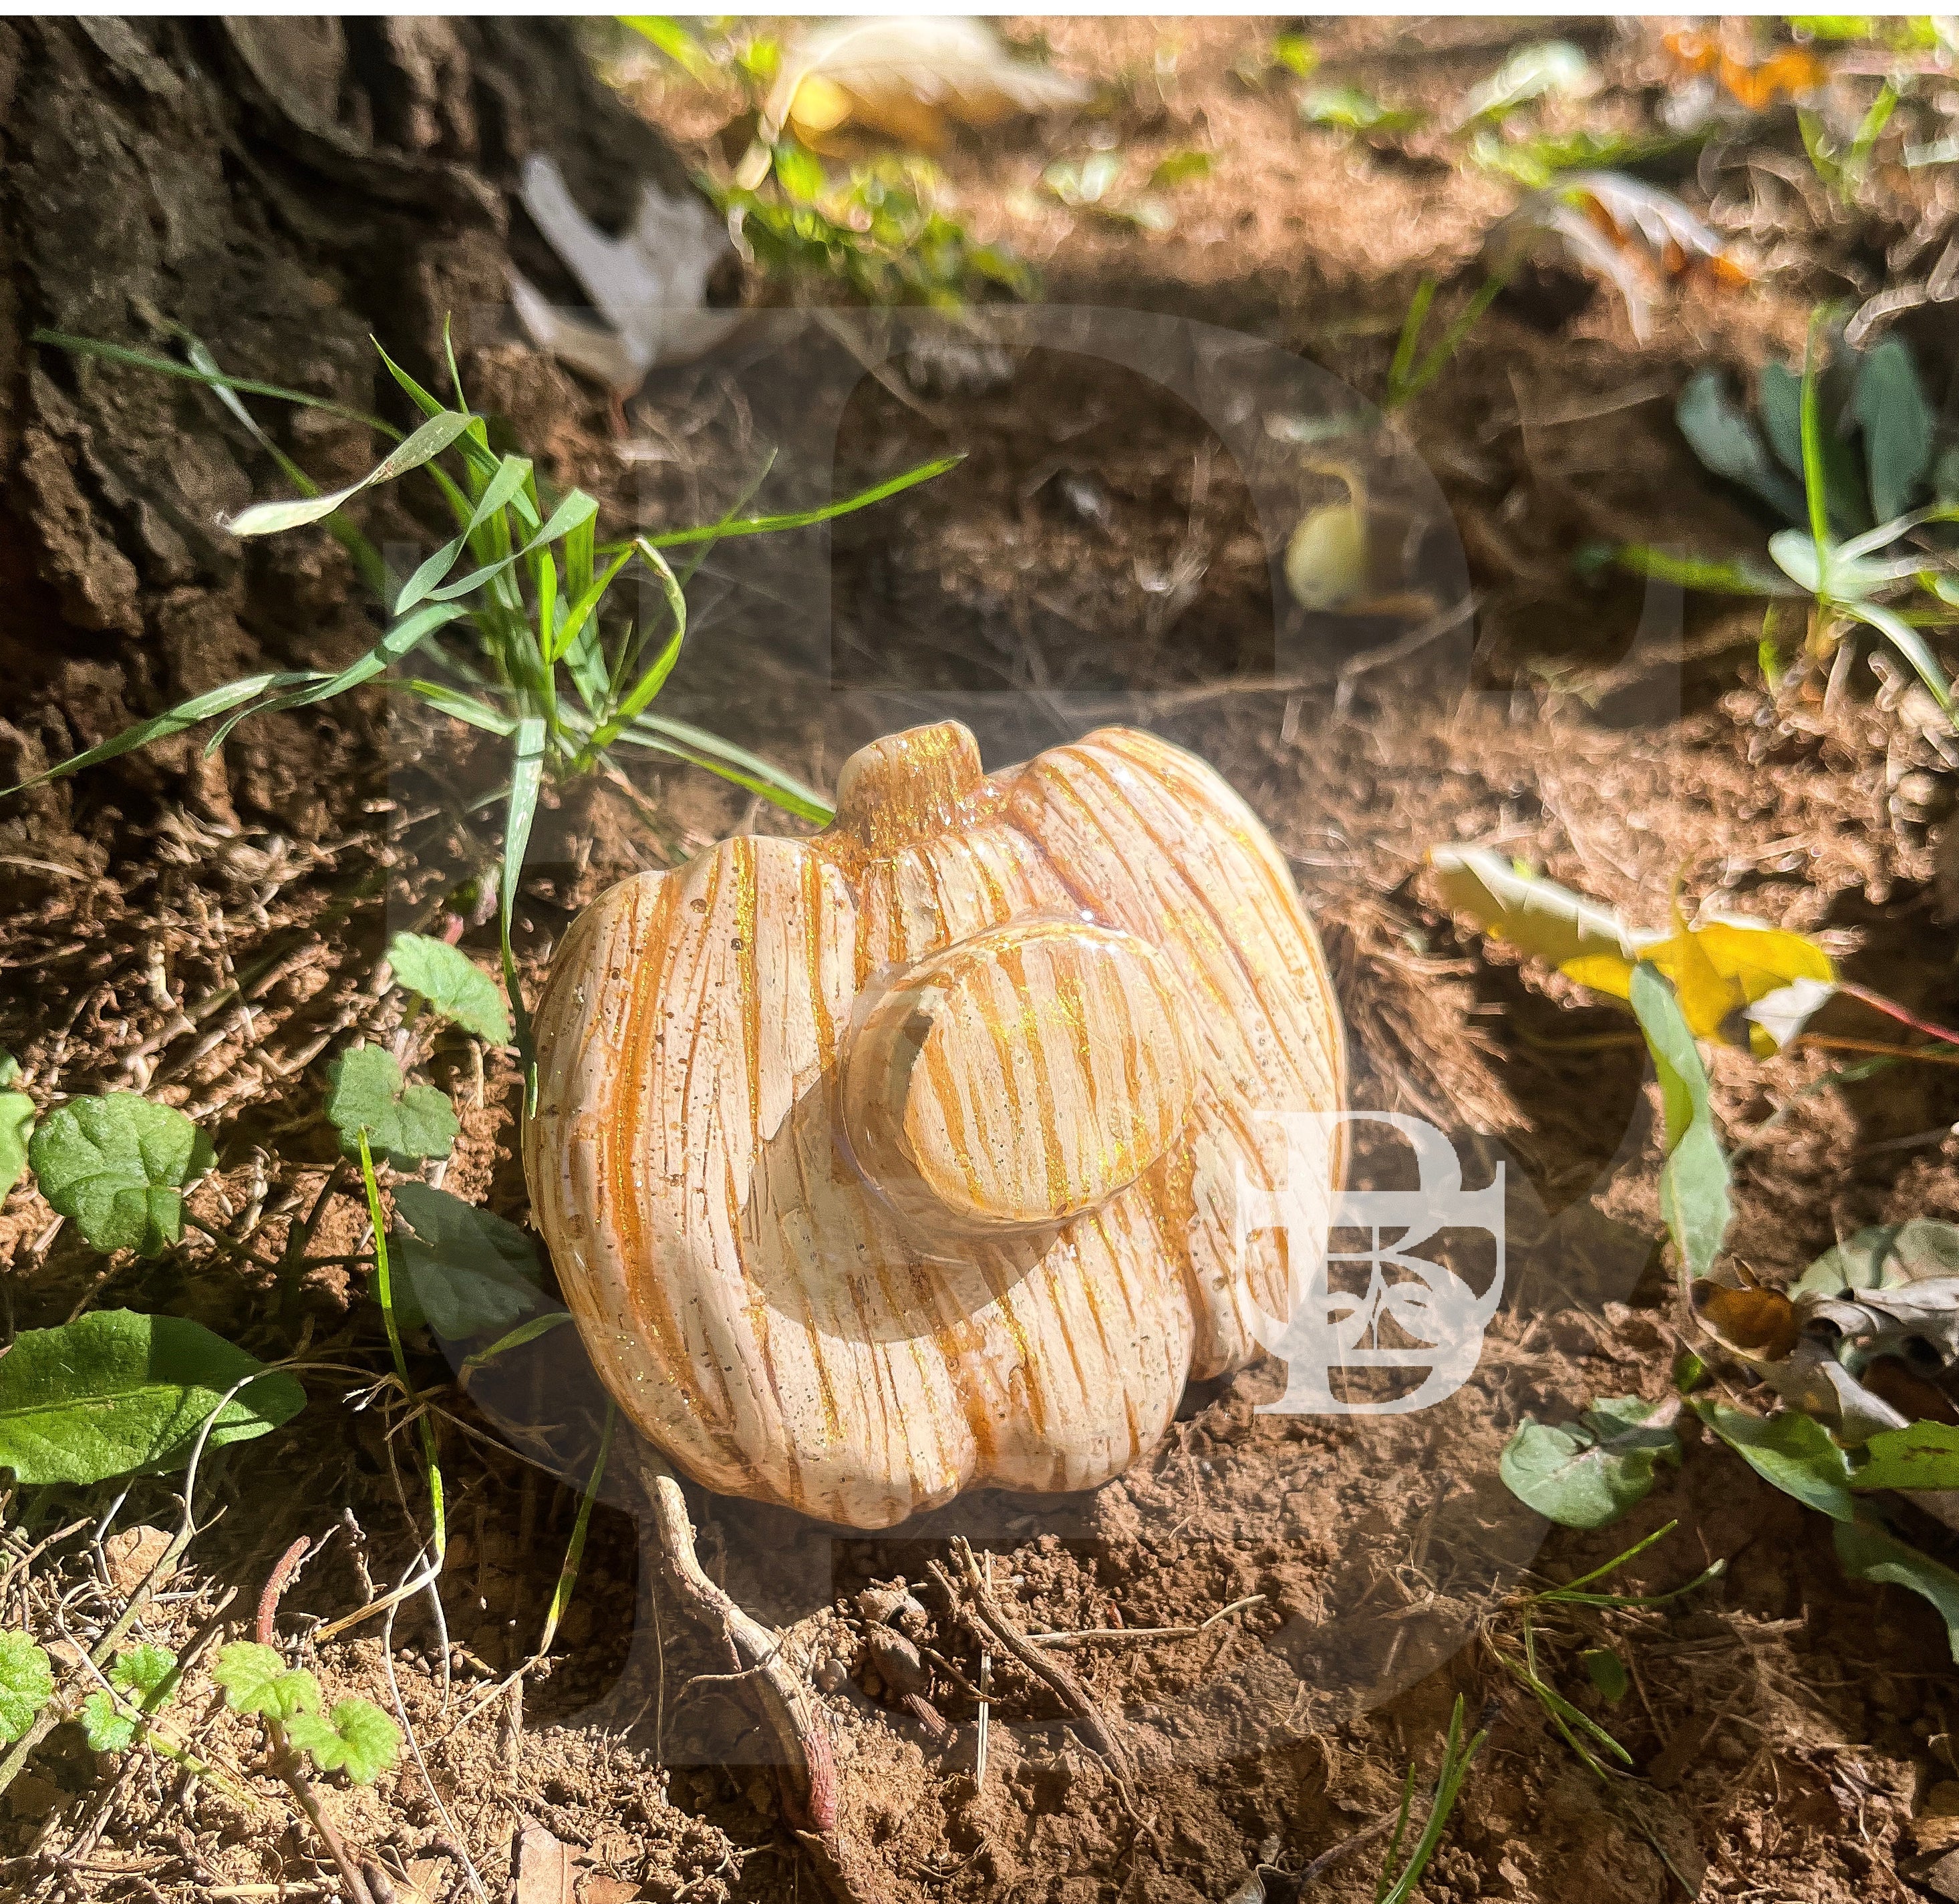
[
  {"x": 116, "y": 1165},
  {"x": 356, "y": 1736},
  {"x": 467, "y": 1270},
  {"x": 1588, "y": 1472},
  {"x": 106, "y": 1729},
  {"x": 1693, "y": 1180},
  {"x": 403, "y": 1122},
  {"x": 456, "y": 986},
  {"x": 1867, "y": 1552},
  {"x": 114, "y": 1392},
  {"x": 1790, "y": 1450},
  {"x": 256, "y": 1679},
  {"x": 16, "y": 1121},
  {"x": 27, "y": 1684}
]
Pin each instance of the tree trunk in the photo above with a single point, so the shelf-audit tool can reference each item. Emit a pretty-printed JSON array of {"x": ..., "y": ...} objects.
[{"x": 283, "y": 188}]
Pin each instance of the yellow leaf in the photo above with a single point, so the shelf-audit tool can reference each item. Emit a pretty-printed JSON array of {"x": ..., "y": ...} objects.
[{"x": 906, "y": 76}]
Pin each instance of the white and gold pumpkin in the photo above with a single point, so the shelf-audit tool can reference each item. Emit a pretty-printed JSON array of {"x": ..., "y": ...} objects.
[{"x": 907, "y": 1158}]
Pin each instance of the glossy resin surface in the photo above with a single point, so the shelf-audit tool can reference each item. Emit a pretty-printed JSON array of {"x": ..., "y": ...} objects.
[{"x": 908, "y": 1158}]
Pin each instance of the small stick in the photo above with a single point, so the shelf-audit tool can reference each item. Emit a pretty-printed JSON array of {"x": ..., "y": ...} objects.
[
  {"x": 1087, "y": 1715},
  {"x": 1327, "y": 1859},
  {"x": 1117, "y": 1635},
  {"x": 787, "y": 1702}
]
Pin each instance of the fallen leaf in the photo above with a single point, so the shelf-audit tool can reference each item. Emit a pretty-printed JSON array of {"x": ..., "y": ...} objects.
[
  {"x": 905, "y": 76},
  {"x": 1759, "y": 1324},
  {"x": 132, "y": 1553}
]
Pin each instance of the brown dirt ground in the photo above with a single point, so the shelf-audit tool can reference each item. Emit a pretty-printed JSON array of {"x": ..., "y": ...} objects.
[{"x": 1784, "y": 1725}]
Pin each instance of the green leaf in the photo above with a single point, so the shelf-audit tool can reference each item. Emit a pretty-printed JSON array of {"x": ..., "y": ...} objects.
[
  {"x": 1607, "y": 1671},
  {"x": 357, "y": 1736},
  {"x": 1723, "y": 436},
  {"x": 1179, "y": 168},
  {"x": 1588, "y": 1472},
  {"x": 105, "y": 1728},
  {"x": 1867, "y": 1552},
  {"x": 454, "y": 986},
  {"x": 114, "y": 1392},
  {"x": 429, "y": 442},
  {"x": 255, "y": 1679},
  {"x": 1897, "y": 424},
  {"x": 467, "y": 1270},
  {"x": 405, "y": 1122},
  {"x": 801, "y": 172},
  {"x": 1925, "y": 1454},
  {"x": 1693, "y": 1180},
  {"x": 144, "y": 1672},
  {"x": 17, "y": 1124},
  {"x": 679, "y": 45},
  {"x": 27, "y": 1684},
  {"x": 798, "y": 519},
  {"x": 1790, "y": 1450},
  {"x": 1295, "y": 52},
  {"x": 116, "y": 1165},
  {"x": 1349, "y": 109}
]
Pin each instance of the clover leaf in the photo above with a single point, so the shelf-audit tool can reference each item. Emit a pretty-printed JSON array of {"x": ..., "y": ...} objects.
[
  {"x": 117, "y": 1165},
  {"x": 357, "y": 1737},
  {"x": 27, "y": 1684},
  {"x": 454, "y": 986},
  {"x": 404, "y": 1121},
  {"x": 466, "y": 1270}
]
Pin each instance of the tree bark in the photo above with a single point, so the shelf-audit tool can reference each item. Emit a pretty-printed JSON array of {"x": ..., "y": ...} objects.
[{"x": 284, "y": 189}]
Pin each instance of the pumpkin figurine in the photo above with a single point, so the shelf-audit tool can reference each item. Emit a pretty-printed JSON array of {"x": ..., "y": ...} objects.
[{"x": 908, "y": 1158}]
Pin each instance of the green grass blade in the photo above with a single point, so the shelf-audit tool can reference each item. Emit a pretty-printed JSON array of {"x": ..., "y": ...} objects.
[
  {"x": 1815, "y": 477},
  {"x": 586, "y": 597},
  {"x": 1406, "y": 344},
  {"x": 396, "y": 645},
  {"x": 800, "y": 518},
  {"x": 460, "y": 706},
  {"x": 1610, "y": 1566},
  {"x": 199, "y": 707},
  {"x": 168, "y": 367},
  {"x": 567, "y": 1574},
  {"x": 384, "y": 1292},
  {"x": 508, "y": 480},
  {"x": 576, "y": 508},
  {"x": 365, "y": 557},
  {"x": 473, "y": 443},
  {"x": 430, "y": 441},
  {"x": 684, "y": 741},
  {"x": 527, "y": 768},
  {"x": 524, "y": 1332}
]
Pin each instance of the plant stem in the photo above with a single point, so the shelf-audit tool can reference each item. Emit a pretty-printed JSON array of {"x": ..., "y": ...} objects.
[{"x": 285, "y": 1762}]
